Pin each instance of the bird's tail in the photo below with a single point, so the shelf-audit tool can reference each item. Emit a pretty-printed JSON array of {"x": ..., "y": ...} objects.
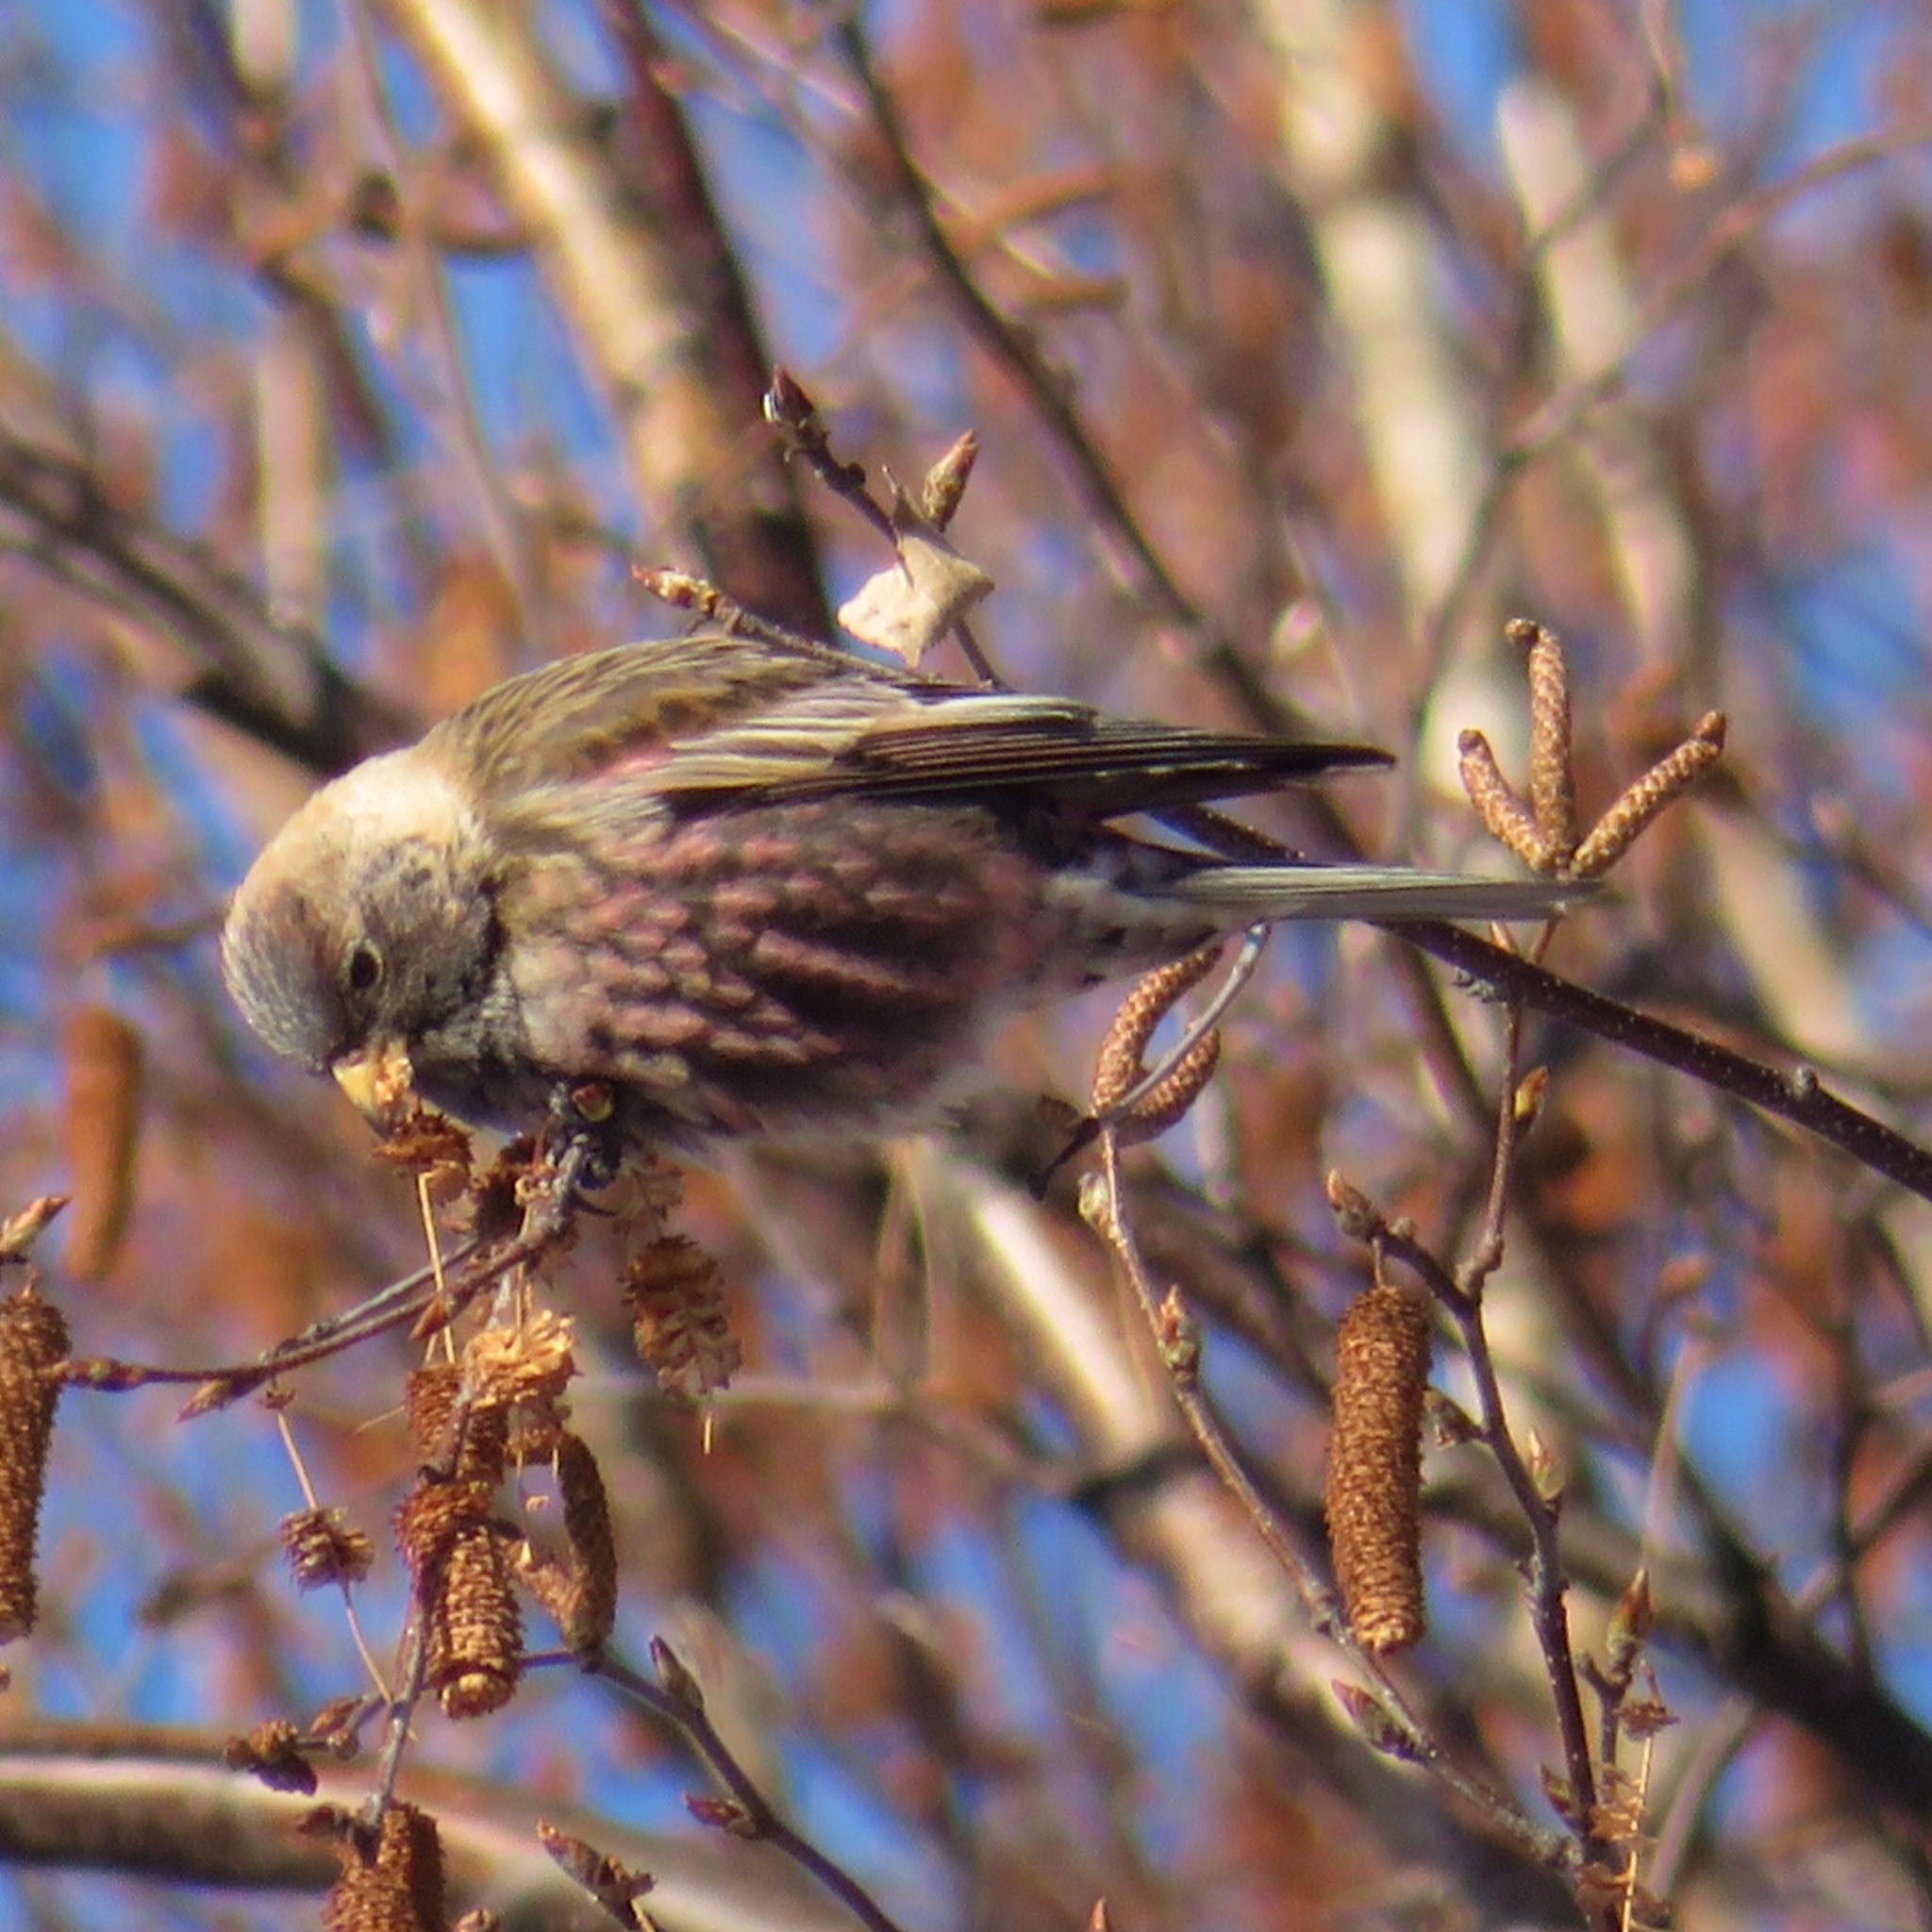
[{"x": 1372, "y": 892}]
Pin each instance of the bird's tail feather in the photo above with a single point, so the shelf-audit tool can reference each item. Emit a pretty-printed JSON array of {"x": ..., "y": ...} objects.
[{"x": 1373, "y": 891}]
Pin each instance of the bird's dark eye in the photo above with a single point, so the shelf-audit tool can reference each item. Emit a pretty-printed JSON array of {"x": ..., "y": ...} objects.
[{"x": 364, "y": 966}]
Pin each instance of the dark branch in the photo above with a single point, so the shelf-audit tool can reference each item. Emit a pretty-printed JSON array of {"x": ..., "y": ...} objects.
[{"x": 269, "y": 680}]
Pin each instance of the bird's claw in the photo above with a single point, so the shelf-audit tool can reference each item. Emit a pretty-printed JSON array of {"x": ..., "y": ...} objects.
[{"x": 584, "y": 1146}]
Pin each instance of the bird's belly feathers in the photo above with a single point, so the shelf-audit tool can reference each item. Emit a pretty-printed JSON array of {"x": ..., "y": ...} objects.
[{"x": 783, "y": 970}]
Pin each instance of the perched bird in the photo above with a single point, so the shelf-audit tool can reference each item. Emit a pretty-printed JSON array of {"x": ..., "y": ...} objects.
[{"x": 752, "y": 888}]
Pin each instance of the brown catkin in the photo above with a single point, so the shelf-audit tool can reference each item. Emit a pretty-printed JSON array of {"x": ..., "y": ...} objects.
[
  {"x": 101, "y": 1069},
  {"x": 527, "y": 1363},
  {"x": 429, "y": 1402},
  {"x": 1507, "y": 818},
  {"x": 1644, "y": 797},
  {"x": 33, "y": 1338},
  {"x": 471, "y": 1620},
  {"x": 1119, "y": 1066},
  {"x": 593, "y": 1552},
  {"x": 1552, "y": 784},
  {"x": 1375, "y": 1465},
  {"x": 432, "y": 1400},
  {"x": 322, "y": 1547},
  {"x": 678, "y": 1318},
  {"x": 1168, "y": 1100},
  {"x": 398, "y": 1887}
]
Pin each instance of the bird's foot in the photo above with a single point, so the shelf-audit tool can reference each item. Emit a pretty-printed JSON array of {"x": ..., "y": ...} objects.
[{"x": 584, "y": 1140}]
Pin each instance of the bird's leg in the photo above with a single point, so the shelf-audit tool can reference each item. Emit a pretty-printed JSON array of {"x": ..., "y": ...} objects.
[{"x": 584, "y": 1142}]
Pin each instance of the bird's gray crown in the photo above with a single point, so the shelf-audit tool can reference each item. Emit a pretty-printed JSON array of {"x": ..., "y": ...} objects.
[{"x": 381, "y": 859}]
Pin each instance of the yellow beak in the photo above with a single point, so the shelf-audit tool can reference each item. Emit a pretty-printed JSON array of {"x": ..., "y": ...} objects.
[{"x": 379, "y": 1081}]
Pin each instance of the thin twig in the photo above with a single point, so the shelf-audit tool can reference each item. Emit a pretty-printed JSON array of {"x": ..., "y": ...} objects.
[
  {"x": 402, "y": 1712},
  {"x": 401, "y": 1301},
  {"x": 687, "y": 1712},
  {"x": 299, "y": 1464},
  {"x": 389, "y": 1307},
  {"x": 1559, "y": 413},
  {"x": 1010, "y": 348},
  {"x": 1797, "y": 1096},
  {"x": 450, "y": 392},
  {"x": 1461, "y": 1295},
  {"x": 1411, "y": 1739}
]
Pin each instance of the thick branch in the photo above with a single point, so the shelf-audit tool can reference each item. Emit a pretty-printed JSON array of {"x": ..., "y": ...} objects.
[
  {"x": 236, "y": 662},
  {"x": 702, "y": 468},
  {"x": 1796, "y": 1096}
]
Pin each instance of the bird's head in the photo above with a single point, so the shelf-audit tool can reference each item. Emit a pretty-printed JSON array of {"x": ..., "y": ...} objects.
[{"x": 367, "y": 924}]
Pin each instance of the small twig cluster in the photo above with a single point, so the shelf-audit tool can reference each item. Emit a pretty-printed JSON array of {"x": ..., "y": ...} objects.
[
  {"x": 1383, "y": 1345},
  {"x": 1542, "y": 830},
  {"x": 926, "y": 594},
  {"x": 1382, "y": 1717},
  {"x": 478, "y": 1414},
  {"x": 744, "y": 1810},
  {"x": 930, "y": 588}
]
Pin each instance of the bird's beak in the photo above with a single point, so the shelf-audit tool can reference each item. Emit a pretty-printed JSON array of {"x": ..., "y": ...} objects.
[{"x": 378, "y": 1080}]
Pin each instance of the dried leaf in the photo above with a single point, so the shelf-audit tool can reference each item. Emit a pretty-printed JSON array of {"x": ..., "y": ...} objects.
[{"x": 911, "y": 604}]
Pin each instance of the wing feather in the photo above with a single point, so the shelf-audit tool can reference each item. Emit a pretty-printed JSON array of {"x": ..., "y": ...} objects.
[
  {"x": 918, "y": 741},
  {"x": 628, "y": 706},
  {"x": 714, "y": 720}
]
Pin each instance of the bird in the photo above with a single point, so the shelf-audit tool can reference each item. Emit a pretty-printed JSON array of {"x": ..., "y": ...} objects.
[{"x": 745, "y": 886}]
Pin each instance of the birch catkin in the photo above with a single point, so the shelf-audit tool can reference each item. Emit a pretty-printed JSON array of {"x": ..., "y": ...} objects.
[{"x": 1375, "y": 1465}]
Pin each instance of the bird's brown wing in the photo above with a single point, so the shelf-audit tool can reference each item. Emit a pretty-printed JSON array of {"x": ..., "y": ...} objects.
[
  {"x": 625, "y": 708},
  {"x": 911, "y": 741},
  {"x": 713, "y": 719}
]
